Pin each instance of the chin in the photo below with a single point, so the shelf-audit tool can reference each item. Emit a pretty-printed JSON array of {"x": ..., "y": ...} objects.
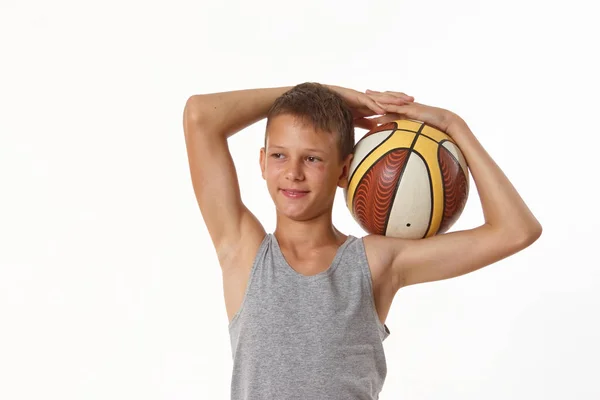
[{"x": 294, "y": 213}]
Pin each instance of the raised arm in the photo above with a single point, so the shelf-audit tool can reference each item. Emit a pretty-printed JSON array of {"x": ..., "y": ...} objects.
[
  {"x": 509, "y": 226},
  {"x": 208, "y": 120}
]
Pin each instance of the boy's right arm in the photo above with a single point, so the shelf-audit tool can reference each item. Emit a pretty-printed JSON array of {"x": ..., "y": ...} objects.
[{"x": 208, "y": 121}]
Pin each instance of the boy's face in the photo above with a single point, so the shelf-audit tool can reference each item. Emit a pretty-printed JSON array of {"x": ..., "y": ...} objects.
[{"x": 301, "y": 167}]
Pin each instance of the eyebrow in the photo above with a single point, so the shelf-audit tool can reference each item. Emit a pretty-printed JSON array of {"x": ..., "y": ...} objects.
[{"x": 311, "y": 150}]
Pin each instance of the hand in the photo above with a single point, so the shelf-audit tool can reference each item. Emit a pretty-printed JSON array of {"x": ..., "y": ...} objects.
[
  {"x": 437, "y": 117},
  {"x": 366, "y": 105}
]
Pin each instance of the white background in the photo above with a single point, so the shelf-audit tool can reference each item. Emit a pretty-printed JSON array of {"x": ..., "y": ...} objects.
[{"x": 109, "y": 285}]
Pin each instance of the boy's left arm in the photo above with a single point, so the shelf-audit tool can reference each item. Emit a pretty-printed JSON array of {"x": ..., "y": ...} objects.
[{"x": 509, "y": 224}]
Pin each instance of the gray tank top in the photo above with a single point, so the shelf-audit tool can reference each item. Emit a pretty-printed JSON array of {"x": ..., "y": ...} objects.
[{"x": 298, "y": 337}]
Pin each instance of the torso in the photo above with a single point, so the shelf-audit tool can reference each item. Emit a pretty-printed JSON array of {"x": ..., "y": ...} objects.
[{"x": 235, "y": 279}]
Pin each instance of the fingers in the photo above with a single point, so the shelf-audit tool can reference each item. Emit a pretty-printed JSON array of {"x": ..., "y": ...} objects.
[
  {"x": 404, "y": 109},
  {"x": 391, "y": 93},
  {"x": 387, "y": 98},
  {"x": 374, "y": 106},
  {"x": 388, "y": 118},
  {"x": 376, "y": 101},
  {"x": 372, "y": 123},
  {"x": 434, "y": 116},
  {"x": 388, "y": 95}
]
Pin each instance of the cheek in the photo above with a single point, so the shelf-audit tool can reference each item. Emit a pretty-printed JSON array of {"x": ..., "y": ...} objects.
[
  {"x": 271, "y": 174},
  {"x": 323, "y": 176},
  {"x": 317, "y": 170}
]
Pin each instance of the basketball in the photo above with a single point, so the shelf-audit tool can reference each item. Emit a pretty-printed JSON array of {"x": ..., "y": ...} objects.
[{"x": 408, "y": 180}]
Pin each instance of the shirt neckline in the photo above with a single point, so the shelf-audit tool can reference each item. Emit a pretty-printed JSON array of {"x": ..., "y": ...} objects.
[{"x": 334, "y": 263}]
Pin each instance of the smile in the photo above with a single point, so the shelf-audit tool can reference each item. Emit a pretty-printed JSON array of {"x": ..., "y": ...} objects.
[{"x": 294, "y": 194}]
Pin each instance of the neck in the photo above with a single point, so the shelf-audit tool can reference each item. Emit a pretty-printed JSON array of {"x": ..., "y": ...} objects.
[{"x": 308, "y": 234}]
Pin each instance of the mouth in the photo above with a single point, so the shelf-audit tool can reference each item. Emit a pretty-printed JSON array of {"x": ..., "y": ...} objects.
[{"x": 294, "y": 194}]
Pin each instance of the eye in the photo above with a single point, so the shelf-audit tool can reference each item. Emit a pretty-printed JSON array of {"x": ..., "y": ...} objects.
[
  {"x": 313, "y": 159},
  {"x": 276, "y": 155}
]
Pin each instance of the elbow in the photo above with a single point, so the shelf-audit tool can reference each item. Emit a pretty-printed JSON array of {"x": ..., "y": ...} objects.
[
  {"x": 535, "y": 231},
  {"x": 530, "y": 235},
  {"x": 194, "y": 109},
  {"x": 519, "y": 238}
]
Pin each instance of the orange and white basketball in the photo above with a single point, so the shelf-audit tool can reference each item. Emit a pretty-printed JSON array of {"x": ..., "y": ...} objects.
[{"x": 407, "y": 179}]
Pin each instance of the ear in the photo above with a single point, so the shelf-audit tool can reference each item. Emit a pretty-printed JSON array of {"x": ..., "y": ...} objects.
[
  {"x": 343, "y": 179},
  {"x": 262, "y": 161}
]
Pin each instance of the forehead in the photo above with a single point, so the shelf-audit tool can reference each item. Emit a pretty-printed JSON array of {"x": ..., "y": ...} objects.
[{"x": 289, "y": 131}]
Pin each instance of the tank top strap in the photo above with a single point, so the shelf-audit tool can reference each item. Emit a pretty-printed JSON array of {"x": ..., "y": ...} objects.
[{"x": 356, "y": 256}]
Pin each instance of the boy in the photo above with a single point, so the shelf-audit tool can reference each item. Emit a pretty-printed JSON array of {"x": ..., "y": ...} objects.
[{"x": 307, "y": 304}]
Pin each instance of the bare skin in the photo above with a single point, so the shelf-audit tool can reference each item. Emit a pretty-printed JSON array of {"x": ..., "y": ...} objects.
[
  {"x": 297, "y": 157},
  {"x": 304, "y": 229}
]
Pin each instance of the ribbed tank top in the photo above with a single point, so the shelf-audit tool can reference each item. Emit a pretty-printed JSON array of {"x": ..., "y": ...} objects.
[{"x": 298, "y": 337}]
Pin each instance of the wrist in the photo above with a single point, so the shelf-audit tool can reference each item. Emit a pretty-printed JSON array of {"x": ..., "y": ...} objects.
[
  {"x": 454, "y": 122},
  {"x": 457, "y": 128}
]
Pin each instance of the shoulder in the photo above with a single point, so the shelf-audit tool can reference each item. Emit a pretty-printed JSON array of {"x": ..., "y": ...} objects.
[
  {"x": 381, "y": 252},
  {"x": 378, "y": 247}
]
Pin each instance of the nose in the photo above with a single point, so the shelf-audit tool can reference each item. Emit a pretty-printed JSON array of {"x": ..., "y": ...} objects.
[{"x": 294, "y": 171}]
